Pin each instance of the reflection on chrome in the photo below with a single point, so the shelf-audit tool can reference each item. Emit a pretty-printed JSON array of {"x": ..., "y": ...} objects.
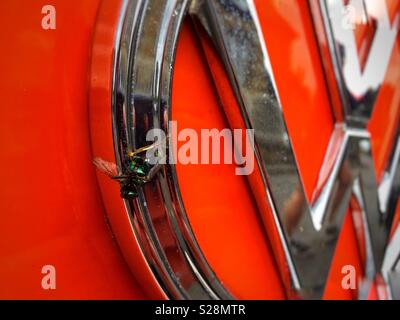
[
  {"x": 141, "y": 102},
  {"x": 307, "y": 233},
  {"x": 360, "y": 81}
]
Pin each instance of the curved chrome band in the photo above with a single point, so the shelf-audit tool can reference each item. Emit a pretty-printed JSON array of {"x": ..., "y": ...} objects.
[{"x": 142, "y": 101}]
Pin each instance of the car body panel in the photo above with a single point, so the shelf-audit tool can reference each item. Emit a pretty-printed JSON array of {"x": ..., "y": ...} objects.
[{"x": 56, "y": 93}]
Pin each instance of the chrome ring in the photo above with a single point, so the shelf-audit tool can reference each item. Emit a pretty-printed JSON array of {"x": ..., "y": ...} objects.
[{"x": 143, "y": 67}]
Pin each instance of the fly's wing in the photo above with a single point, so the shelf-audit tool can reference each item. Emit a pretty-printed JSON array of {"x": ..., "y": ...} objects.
[{"x": 108, "y": 168}]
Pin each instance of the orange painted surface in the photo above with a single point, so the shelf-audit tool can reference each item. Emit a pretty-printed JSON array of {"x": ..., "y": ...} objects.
[
  {"x": 386, "y": 116},
  {"x": 301, "y": 84},
  {"x": 50, "y": 205},
  {"x": 396, "y": 220},
  {"x": 300, "y": 80},
  {"x": 220, "y": 207},
  {"x": 347, "y": 253},
  {"x": 102, "y": 146},
  {"x": 55, "y": 117}
]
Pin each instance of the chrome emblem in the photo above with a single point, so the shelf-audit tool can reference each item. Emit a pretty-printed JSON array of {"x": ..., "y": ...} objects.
[
  {"x": 360, "y": 82},
  {"x": 304, "y": 247}
]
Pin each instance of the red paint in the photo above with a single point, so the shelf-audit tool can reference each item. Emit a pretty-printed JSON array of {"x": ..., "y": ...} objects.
[
  {"x": 51, "y": 208},
  {"x": 56, "y": 116}
]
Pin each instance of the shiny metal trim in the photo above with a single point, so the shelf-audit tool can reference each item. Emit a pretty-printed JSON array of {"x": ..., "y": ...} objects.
[
  {"x": 122, "y": 49},
  {"x": 141, "y": 102},
  {"x": 235, "y": 31},
  {"x": 391, "y": 266},
  {"x": 358, "y": 86},
  {"x": 142, "y": 93},
  {"x": 355, "y": 111},
  {"x": 390, "y": 184},
  {"x": 309, "y": 243}
]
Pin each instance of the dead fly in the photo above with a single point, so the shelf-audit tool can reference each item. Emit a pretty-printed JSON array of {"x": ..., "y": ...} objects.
[{"x": 137, "y": 171}]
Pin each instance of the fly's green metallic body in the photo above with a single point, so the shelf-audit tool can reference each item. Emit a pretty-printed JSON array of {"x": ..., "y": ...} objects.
[
  {"x": 138, "y": 173},
  {"x": 138, "y": 170}
]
